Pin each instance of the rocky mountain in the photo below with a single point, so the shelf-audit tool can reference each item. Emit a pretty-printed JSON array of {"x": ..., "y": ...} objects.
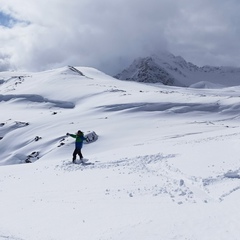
[{"x": 173, "y": 70}]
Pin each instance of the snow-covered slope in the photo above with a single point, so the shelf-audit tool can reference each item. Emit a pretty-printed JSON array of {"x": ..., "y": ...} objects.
[
  {"x": 165, "y": 165},
  {"x": 173, "y": 70}
]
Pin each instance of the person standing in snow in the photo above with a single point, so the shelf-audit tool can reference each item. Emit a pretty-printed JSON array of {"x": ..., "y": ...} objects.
[{"x": 78, "y": 144}]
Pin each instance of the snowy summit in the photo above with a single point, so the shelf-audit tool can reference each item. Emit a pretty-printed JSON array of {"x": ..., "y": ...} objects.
[
  {"x": 165, "y": 164},
  {"x": 173, "y": 70}
]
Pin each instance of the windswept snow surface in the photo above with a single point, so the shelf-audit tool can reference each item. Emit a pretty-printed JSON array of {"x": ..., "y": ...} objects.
[{"x": 166, "y": 163}]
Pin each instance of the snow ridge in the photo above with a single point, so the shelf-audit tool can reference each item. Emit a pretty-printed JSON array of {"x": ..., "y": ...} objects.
[{"x": 37, "y": 99}]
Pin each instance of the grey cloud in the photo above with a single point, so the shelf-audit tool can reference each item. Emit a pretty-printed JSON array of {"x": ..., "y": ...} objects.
[
  {"x": 109, "y": 34},
  {"x": 4, "y": 62}
]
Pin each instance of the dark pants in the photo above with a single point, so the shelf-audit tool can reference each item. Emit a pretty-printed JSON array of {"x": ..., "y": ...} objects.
[{"x": 76, "y": 152}]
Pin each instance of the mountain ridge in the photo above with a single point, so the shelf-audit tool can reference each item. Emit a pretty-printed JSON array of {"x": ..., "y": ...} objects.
[{"x": 168, "y": 69}]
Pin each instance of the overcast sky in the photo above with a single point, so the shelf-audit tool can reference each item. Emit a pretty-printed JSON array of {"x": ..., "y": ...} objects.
[{"x": 108, "y": 34}]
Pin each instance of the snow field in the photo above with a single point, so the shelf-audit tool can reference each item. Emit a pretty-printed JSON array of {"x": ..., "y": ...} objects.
[{"x": 166, "y": 164}]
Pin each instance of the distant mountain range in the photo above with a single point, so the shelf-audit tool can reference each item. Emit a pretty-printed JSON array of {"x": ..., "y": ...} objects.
[{"x": 173, "y": 70}]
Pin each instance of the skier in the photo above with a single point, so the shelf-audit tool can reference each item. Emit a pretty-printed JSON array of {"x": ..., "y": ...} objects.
[{"x": 78, "y": 144}]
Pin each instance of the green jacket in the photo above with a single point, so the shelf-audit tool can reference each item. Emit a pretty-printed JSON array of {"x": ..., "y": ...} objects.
[{"x": 79, "y": 140}]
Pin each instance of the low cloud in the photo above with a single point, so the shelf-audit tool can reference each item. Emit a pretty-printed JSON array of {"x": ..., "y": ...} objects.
[{"x": 108, "y": 35}]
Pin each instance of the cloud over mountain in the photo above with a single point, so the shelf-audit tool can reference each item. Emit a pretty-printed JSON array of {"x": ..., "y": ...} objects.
[{"x": 109, "y": 35}]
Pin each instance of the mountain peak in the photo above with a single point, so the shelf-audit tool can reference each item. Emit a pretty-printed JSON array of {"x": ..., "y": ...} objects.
[{"x": 168, "y": 69}]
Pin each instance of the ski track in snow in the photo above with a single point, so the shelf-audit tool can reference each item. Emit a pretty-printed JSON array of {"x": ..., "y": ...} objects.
[
  {"x": 169, "y": 180},
  {"x": 230, "y": 178},
  {"x": 144, "y": 167}
]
